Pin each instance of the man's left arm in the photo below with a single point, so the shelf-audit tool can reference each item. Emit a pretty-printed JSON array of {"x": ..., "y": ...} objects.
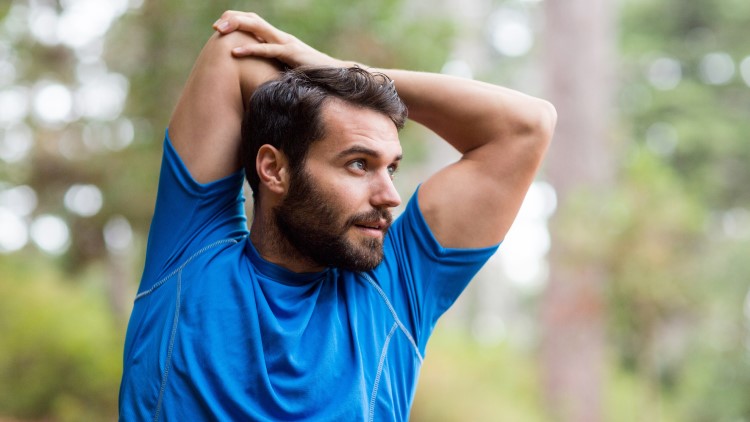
[{"x": 502, "y": 135}]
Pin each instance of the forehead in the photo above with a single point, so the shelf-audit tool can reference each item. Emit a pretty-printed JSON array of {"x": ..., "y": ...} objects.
[{"x": 347, "y": 125}]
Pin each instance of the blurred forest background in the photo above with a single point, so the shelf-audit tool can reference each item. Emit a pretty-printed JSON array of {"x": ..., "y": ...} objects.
[{"x": 620, "y": 294}]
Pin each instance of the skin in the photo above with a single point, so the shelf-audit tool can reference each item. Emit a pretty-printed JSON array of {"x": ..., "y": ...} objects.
[
  {"x": 502, "y": 135},
  {"x": 352, "y": 168}
]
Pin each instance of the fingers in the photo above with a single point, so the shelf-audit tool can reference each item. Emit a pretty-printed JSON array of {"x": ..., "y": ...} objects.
[
  {"x": 270, "y": 51},
  {"x": 248, "y": 22},
  {"x": 273, "y": 43},
  {"x": 223, "y": 24}
]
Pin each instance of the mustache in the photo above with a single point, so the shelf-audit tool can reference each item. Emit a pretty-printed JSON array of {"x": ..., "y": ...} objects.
[{"x": 370, "y": 216}]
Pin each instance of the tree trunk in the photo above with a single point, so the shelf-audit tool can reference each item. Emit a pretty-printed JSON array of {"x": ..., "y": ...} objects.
[{"x": 579, "y": 52}]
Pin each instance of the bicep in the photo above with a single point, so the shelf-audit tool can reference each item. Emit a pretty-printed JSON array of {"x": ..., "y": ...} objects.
[{"x": 473, "y": 202}]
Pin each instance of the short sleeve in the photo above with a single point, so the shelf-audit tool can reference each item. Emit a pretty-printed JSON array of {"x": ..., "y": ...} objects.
[
  {"x": 427, "y": 277},
  {"x": 189, "y": 215}
]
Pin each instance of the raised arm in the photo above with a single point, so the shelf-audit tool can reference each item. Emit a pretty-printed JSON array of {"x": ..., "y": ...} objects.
[
  {"x": 502, "y": 135},
  {"x": 205, "y": 125}
]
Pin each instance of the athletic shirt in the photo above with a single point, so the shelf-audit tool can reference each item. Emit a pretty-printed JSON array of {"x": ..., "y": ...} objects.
[{"x": 219, "y": 333}]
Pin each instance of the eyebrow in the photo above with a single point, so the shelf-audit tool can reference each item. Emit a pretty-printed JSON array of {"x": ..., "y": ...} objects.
[{"x": 358, "y": 149}]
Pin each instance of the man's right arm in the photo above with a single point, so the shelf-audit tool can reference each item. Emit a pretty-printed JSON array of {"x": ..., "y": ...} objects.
[{"x": 206, "y": 123}]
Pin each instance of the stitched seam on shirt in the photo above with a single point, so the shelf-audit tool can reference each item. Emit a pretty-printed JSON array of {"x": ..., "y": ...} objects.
[
  {"x": 164, "y": 280},
  {"x": 172, "y": 336},
  {"x": 383, "y": 354},
  {"x": 395, "y": 316}
]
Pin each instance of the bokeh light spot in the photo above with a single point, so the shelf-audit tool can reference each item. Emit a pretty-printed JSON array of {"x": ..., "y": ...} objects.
[
  {"x": 745, "y": 70},
  {"x": 717, "y": 68},
  {"x": 457, "y": 68},
  {"x": 14, "y": 234},
  {"x": 118, "y": 234},
  {"x": 510, "y": 33},
  {"x": 20, "y": 200},
  {"x": 15, "y": 143},
  {"x": 51, "y": 234},
  {"x": 664, "y": 73},
  {"x": 84, "y": 200},
  {"x": 14, "y": 105},
  {"x": 53, "y": 102}
]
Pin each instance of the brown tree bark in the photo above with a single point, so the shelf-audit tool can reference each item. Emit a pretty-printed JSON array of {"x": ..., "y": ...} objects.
[{"x": 579, "y": 52}]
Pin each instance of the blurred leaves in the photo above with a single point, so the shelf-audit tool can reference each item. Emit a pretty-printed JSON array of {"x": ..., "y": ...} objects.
[
  {"x": 61, "y": 353},
  {"x": 680, "y": 271},
  {"x": 466, "y": 380}
]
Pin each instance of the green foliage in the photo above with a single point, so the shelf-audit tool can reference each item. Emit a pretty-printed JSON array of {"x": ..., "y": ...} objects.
[
  {"x": 62, "y": 348},
  {"x": 463, "y": 380},
  {"x": 631, "y": 397},
  {"x": 716, "y": 371},
  {"x": 709, "y": 119},
  {"x": 655, "y": 284},
  {"x": 679, "y": 274}
]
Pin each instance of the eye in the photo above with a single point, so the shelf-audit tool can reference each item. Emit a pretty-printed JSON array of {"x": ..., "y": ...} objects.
[
  {"x": 392, "y": 169},
  {"x": 358, "y": 165}
]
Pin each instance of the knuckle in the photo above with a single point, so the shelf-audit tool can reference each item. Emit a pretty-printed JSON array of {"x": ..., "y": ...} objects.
[
  {"x": 252, "y": 18},
  {"x": 285, "y": 38}
]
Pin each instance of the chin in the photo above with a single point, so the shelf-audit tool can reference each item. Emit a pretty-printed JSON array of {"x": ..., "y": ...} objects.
[{"x": 363, "y": 255}]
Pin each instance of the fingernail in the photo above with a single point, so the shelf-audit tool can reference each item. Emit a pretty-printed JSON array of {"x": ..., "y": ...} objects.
[
  {"x": 239, "y": 50},
  {"x": 223, "y": 25}
]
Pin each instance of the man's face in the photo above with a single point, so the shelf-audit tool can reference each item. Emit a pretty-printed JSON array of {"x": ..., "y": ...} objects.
[{"x": 337, "y": 208}]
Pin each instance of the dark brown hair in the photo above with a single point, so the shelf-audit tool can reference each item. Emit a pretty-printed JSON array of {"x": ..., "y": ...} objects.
[{"x": 286, "y": 112}]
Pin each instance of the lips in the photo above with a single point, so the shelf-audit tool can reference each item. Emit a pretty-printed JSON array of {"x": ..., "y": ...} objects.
[
  {"x": 372, "y": 223},
  {"x": 373, "y": 228},
  {"x": 375, "y": 225}
]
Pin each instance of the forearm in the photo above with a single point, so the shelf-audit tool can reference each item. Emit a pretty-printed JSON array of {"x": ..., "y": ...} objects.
[
  {"x": 205, "y": 126},
  {"x": 466, "y": 113},
  {"x": 469, "y": 114}
]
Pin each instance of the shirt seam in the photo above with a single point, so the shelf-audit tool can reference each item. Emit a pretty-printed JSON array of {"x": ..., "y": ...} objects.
[
  {"x": 381, "y": 364},
  {"x": 395, "y": 316},
  {"x": 172, "y": 337},
  {"x": 178, "y": 269}
]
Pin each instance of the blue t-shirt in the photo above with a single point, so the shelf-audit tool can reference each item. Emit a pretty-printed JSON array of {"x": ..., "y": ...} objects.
[{"x": 218, "y": 333}]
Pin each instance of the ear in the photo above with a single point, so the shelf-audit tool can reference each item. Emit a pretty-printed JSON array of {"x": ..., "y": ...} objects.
[{"x": 273, "y": 169}]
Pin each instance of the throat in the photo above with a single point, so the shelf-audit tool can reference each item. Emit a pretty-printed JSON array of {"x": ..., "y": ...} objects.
[{"x": 276, "y": 249}]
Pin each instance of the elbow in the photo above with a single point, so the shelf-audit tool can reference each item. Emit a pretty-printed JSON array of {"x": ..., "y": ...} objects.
[
  {"x": 548, "y": 119},
  {"x": 541, "y": 125},
  {"x": 534, "y": 125}
]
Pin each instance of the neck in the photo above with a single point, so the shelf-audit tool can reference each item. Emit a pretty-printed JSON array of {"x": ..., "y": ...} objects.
[{"x": 274, "y": 247}]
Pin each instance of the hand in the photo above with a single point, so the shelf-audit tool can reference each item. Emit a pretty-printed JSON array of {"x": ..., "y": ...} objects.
[{"x": 273, "y": 43}]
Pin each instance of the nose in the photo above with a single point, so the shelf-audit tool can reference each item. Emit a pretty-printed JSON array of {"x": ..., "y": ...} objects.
[{"x": 384, "y": 194}]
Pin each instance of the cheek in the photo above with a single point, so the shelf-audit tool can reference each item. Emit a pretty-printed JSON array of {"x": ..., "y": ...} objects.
[
  {"x": 346, "y": 193},
  {"x": 351, "y": 194}
]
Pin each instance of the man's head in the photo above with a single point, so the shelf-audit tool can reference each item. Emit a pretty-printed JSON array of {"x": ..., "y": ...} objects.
[
  {"x": 335, "y": 132},
  {"x": 287, "y": 113}
]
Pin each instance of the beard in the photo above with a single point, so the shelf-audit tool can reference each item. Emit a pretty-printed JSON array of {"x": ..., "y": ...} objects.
[{"x": 311, "y": 222}]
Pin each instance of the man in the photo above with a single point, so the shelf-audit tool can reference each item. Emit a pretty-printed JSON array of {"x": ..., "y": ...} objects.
[{"x": 322, "y": 311}]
